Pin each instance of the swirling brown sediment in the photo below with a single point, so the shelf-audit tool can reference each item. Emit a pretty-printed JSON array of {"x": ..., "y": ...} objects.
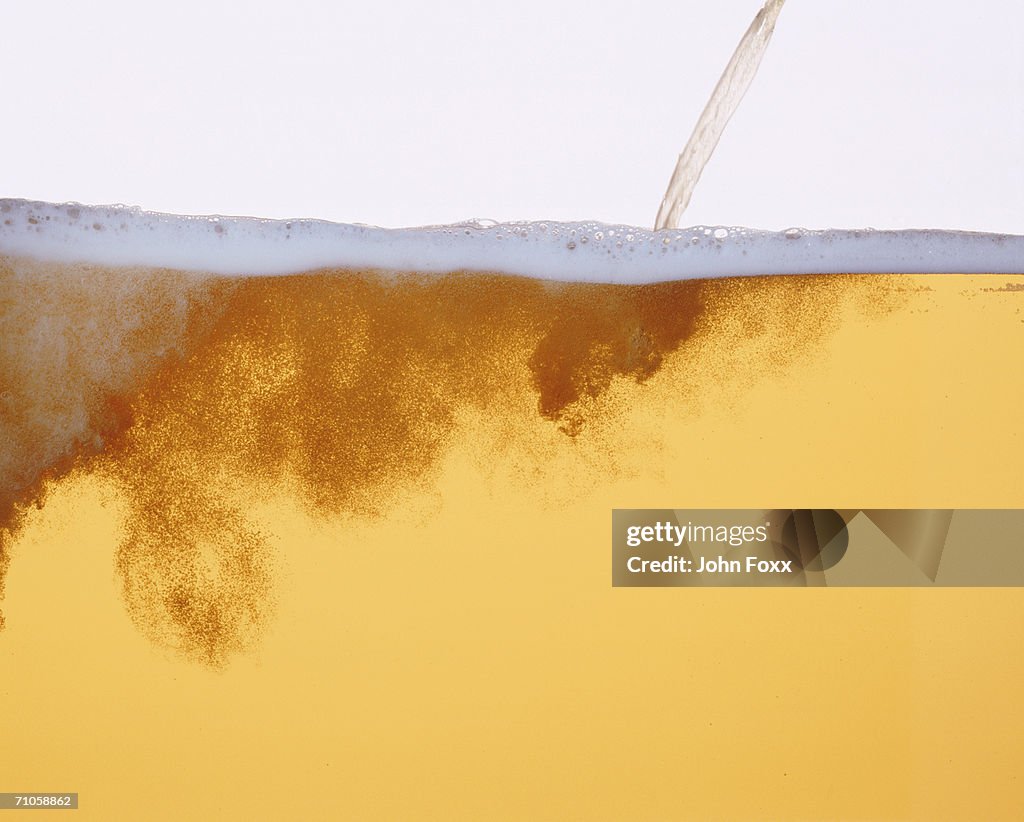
[{"x": 346, "y": 386}]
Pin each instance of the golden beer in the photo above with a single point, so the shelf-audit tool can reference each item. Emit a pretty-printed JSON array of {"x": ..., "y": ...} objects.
[{"x": 334, "y": 542}]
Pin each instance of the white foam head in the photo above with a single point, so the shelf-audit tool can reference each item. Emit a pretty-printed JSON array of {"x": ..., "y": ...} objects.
[{"x": 582, "y": 251}]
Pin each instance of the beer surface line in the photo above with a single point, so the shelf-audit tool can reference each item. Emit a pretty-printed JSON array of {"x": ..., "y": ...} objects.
[{"x": 572, "y": 252}]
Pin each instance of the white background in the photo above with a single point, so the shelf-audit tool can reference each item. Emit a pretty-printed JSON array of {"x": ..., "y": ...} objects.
[{"x": 884, "y": 113}]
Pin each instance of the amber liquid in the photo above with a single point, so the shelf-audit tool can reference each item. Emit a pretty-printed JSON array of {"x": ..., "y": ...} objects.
[{"x": 338, "y": 545}]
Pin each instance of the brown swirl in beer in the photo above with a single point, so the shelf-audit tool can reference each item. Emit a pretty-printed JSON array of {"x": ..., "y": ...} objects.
[{"x": 191, "y": 393}]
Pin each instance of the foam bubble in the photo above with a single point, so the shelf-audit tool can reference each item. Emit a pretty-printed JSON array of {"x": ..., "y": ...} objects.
[{"x": 123, "y": 236}]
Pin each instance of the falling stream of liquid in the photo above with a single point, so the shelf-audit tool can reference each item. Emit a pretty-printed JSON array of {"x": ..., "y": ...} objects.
[{"x": 732, "y": 85}]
